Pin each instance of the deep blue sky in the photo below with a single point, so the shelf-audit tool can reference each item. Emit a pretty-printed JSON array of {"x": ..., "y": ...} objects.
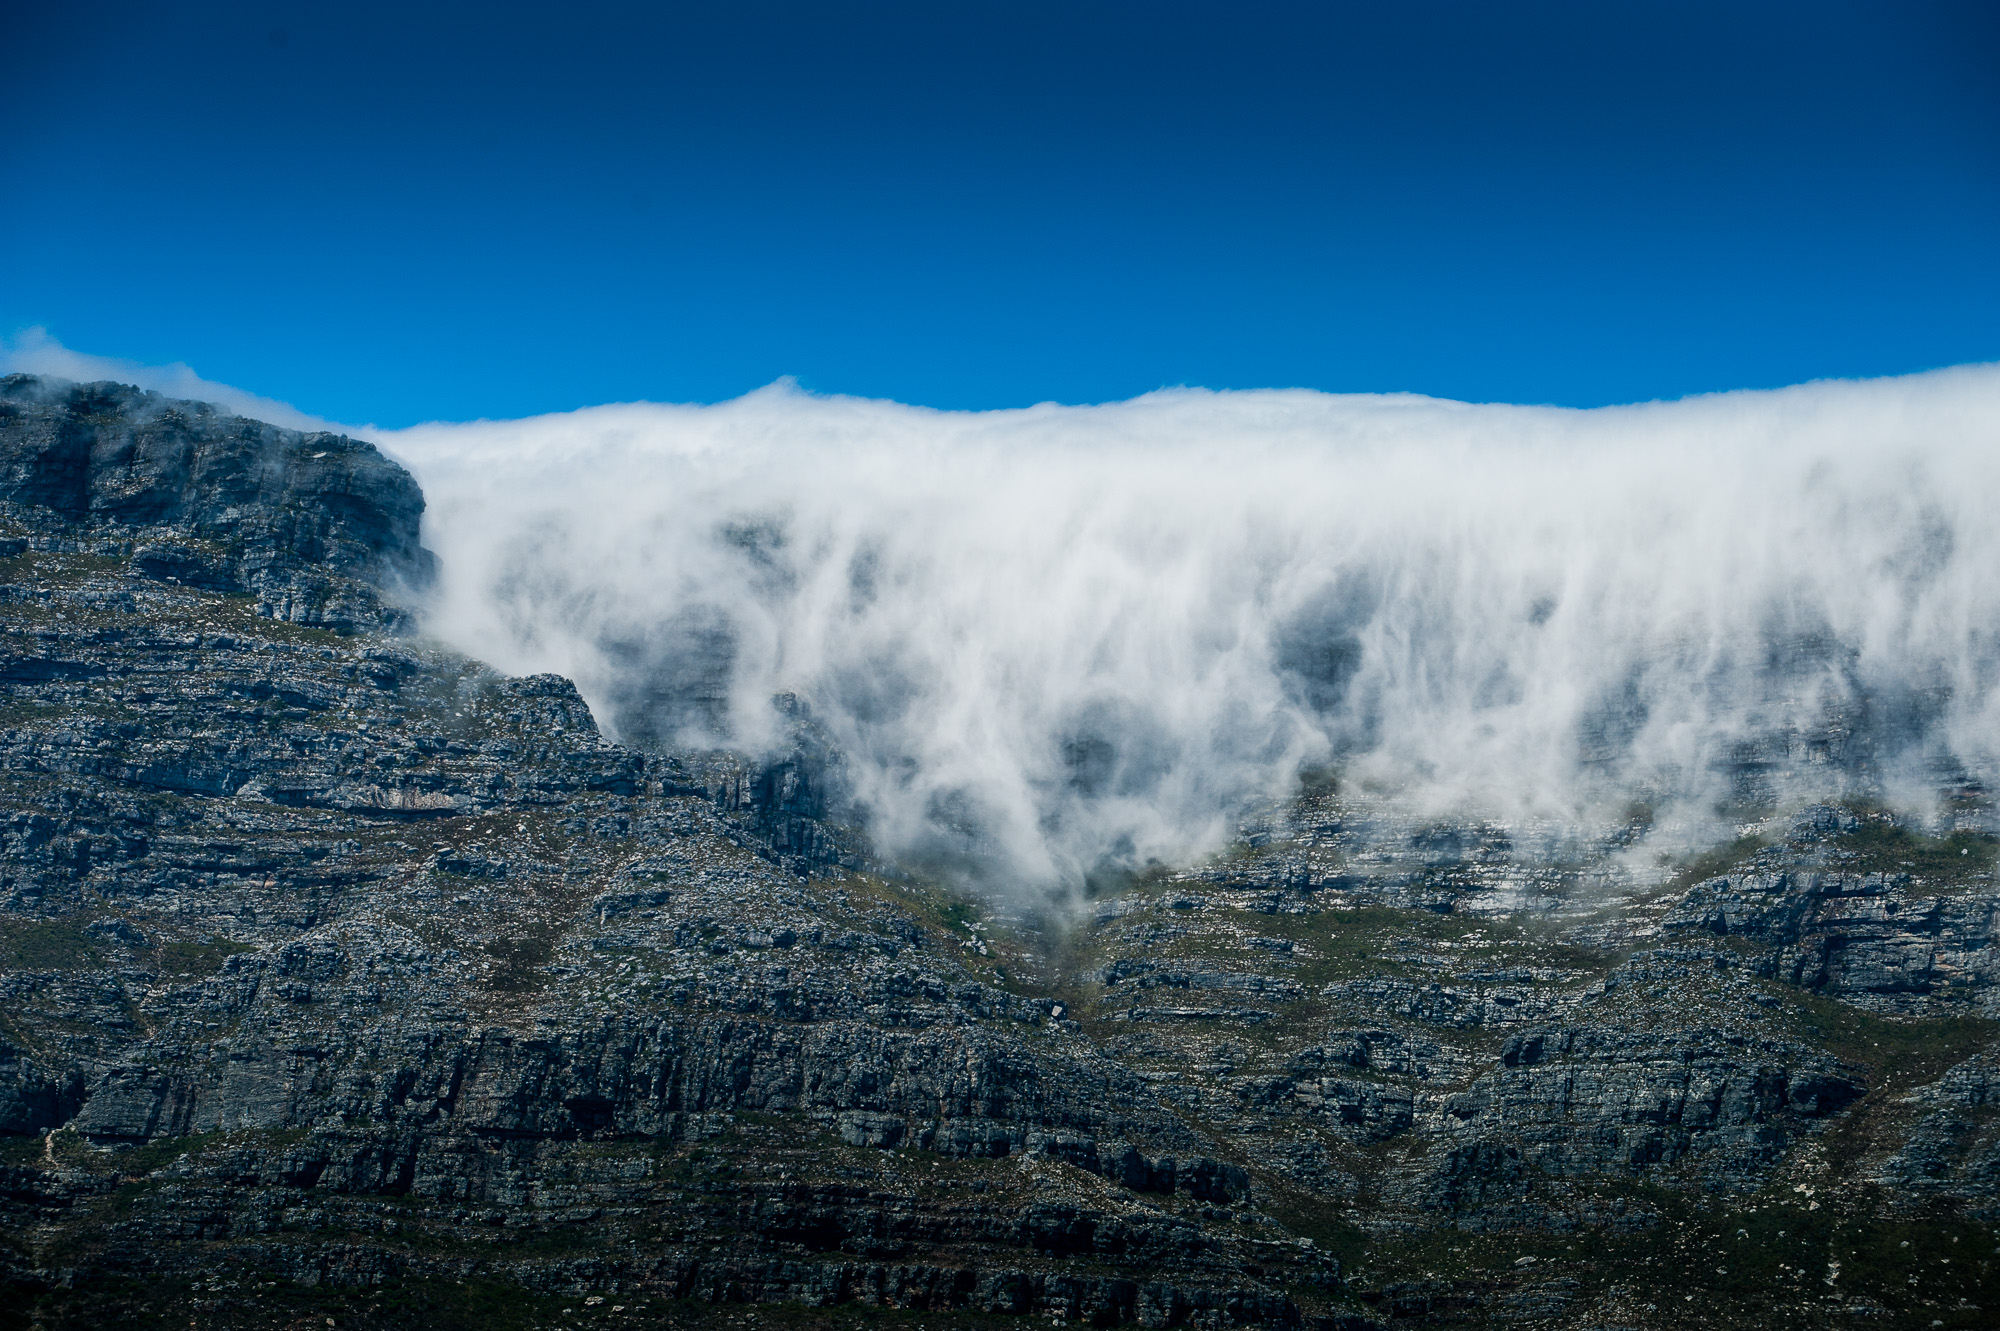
[{"x": 401, "y": 212}]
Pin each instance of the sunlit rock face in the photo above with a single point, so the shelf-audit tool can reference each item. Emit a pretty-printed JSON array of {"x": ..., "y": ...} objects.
[{"x": 344, "y": 976}]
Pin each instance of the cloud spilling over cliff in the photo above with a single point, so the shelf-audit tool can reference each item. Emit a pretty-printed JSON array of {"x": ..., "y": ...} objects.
[{"x": 1052, "y": 637}]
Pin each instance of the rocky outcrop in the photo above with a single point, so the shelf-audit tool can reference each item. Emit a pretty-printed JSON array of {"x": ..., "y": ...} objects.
[
  {"x": 1881, "y": 940},
  {"x": 320, "y": 528}
]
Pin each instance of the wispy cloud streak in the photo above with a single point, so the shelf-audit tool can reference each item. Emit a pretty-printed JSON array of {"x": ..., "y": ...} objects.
[{"x": 35, "y": 351}]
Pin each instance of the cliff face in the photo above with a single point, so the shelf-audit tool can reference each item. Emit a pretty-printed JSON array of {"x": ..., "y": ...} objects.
[
  {"x": 317, "y": 526},
  {"x": 344, "y": 977}
]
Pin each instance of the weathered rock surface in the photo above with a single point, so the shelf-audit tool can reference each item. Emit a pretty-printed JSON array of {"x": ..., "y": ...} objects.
[
  {"x": 340, "y": 975},
  {"x": 318, "y": 526}
]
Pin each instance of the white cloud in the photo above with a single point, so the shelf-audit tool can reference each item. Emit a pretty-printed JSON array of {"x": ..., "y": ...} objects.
[{"x": 1091, "y": 630}]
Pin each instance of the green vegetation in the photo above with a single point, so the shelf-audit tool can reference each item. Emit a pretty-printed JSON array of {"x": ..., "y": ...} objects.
[
  {"x": 1373, "y": 941},
  {"x": 1895, "y": 1054},
  {"x": 521, "y": 959},
  {"x": 1312, "y": 1217},
  {"x": 1880, "y": 845},
  {"x": 1777, "y": 1259},
  {"x": 73, "y": 1151},
  {"x": 48, "y": 945},
  {"x": 152, "y": 1155},
  {"x": 1767, "y": 1260},
  {"x": 955, "y": 916},
  {"x": 20, "y": 1148},
  {"x": 194, "y": 961},
  {"x": 1898, "y": 1051},
  {"x": 27, "y": 711},
  {"x": 48, "y": 566},
  {"x": 1712, "y": 863}
]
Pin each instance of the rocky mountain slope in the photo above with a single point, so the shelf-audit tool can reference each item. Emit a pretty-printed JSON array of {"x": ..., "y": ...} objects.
[{"x": 344, "y": 981}]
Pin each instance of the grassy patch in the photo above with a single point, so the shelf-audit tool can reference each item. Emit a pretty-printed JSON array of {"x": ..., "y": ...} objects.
[
  {"x": 949, "y": 919},
  {"x": 49, "y": 945},
  {"x": 21, "y": 1148},
  {"x": 1368, "y": 941},
  {"x": 155, "y": 1154},
  {"x": 1896, "y": 1052},
  {"x": 1882, "y": 846},
  {"x": 28, "y": 711},
  {"x": 1309, "y": 1218},
  {"x": 520, "y": 960},
  {"x": 183, "y": 961},
  {"x": 1896, "y": 1055},
  {"x": 1714, "y": 863}
]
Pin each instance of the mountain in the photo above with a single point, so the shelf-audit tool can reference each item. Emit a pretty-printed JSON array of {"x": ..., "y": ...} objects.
[{"x": 345, "y": 980}]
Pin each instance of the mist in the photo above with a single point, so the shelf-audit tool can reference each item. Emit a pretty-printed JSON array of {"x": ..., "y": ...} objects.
[
  {"x": 36, "y": 351},
  {"x": 1054, "y": 639}
]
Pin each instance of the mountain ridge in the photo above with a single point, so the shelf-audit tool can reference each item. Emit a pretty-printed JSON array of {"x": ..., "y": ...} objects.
[{"x": 345, "y": 976}]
